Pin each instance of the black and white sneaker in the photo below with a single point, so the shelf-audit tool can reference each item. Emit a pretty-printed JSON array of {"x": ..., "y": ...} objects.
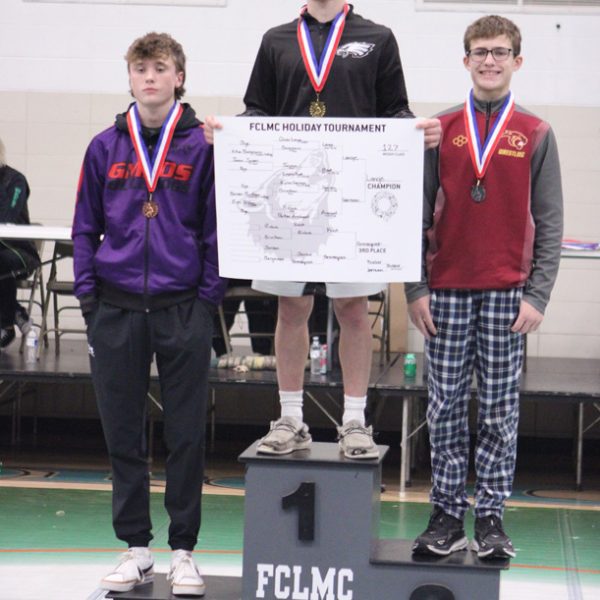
[
  {"x": 136, "y": 567},
  {"x": 7, "y": 335},
  {"x": 490, "y": 541},
  {"x": 444, "y": 534}
]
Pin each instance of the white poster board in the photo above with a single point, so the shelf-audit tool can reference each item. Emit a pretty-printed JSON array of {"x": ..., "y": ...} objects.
[{"x": 337, "y": 200}]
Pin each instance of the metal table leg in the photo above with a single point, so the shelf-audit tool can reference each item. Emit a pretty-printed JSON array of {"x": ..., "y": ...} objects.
[{"x": 404, "y": 444}]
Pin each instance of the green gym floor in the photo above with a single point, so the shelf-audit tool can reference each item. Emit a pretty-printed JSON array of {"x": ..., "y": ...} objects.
[{"x": 56, "y": 539}]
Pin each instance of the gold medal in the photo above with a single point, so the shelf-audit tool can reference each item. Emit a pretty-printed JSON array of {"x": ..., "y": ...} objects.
[
  {"x": 318, "y": 68},
  {"x": 150, "y": 209},
  {"x": 317, "y": 108}
]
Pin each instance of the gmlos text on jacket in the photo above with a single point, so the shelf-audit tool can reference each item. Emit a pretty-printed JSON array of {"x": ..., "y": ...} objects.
[{"x": 146, "y": 263}]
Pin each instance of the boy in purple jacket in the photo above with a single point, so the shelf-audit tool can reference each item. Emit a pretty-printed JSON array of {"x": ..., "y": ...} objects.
[{"x": 146, "y": 275}]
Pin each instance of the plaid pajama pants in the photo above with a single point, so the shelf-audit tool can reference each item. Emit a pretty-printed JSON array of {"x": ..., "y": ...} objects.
[{"x": 473, "y": 333}]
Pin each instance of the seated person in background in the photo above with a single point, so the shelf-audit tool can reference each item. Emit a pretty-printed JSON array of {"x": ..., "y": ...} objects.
[{"x": 18, "y": 258}]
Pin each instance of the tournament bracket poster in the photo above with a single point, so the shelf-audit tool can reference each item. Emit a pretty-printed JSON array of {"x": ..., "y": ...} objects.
[{"x": 301, "y": 199}]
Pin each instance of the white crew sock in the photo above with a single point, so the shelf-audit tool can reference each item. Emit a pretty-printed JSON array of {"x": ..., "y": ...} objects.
[
  {"x": 291, "y": 404},
  {"x": 354, "y": 409}
]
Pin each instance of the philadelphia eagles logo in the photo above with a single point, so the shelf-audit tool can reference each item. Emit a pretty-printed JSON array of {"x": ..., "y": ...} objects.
[{"x": 355, "y": 49}]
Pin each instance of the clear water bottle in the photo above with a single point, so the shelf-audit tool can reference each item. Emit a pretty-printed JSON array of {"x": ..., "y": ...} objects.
[
  {"x": 323, "y": 359},
  {"x": 31, "y": 346},
  {"x": 315, "y": 356}
]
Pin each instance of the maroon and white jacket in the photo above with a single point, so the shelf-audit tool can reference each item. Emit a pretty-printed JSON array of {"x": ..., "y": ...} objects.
[{"x": 512, "y": 238}]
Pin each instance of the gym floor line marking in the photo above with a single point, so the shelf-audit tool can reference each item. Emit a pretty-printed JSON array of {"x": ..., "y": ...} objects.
[
  {"x": 100, "y": 550},
  {"x": 239, "y": 552},
  {"x": 212, "y": 490}
]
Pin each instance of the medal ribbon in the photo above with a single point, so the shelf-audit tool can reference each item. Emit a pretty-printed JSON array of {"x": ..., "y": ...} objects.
[
  {"x": 481, "y": 156},
  {"x": 318, "y": 72},
  {"x": 153, "y": 168}
]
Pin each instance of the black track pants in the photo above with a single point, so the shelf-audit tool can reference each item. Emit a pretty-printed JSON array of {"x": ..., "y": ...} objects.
[{"x": 122, "y": 345}]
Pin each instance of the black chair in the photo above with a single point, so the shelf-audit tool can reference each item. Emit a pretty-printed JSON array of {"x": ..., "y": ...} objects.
[
  {"x": 379, "y": 310},
  {"x": 57, "y": 287},
  {"x": 263, "y": 311}
]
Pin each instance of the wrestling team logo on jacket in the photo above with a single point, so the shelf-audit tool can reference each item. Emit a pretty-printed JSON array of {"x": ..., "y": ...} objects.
[
  {"x": 515, "y": 139},
  {"x": 355, "y": 50},
  {"x": 128, "y": 175}
]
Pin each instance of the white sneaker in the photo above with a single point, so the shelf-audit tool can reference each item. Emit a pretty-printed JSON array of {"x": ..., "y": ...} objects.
[
  {"x": 286, "y": 435},
  {"x": 136, "y": 566},
  {"x": 356, "y": 441},
  {"x": 184, "y": 575}
]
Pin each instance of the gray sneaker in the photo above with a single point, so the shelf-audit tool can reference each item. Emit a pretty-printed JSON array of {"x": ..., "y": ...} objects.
[
  {"x": 356, "y": 441},
  {"x": 286, "y": 435}
]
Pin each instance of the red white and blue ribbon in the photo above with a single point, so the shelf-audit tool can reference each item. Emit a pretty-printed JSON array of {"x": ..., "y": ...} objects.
[
  {"x": 152, "y": 168},
  {"x": 481, "y": 154},
  {"x": 318, "y": 71}
]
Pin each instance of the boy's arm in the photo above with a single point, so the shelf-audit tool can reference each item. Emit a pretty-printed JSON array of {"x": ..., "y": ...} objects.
[
  {"x": 414, "y": 290},
  {"x": 547, "y": 212},
  {"x": 392, "y": 98},
  {"x": 14, "y": 192},
  {"x": 88, "y": 226},
  {"x": 260, "y": 93},
  {"x": 211, "y": 287},
  {"x": 417, "y": 293}
]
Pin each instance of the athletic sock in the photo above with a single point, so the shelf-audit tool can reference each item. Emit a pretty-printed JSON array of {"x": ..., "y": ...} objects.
[
  {"x": 354, "y": 409},
  {"x": 291, "y": 404}
]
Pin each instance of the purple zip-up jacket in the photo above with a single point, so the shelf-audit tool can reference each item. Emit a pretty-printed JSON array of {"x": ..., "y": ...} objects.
[{"x": 139, "y": 258}]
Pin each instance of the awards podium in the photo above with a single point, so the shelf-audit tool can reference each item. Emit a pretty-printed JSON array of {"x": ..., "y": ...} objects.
[{"x": 311, "y": 533}]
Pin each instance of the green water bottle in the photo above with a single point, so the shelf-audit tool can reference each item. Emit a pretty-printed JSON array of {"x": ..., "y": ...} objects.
[{"x": 410, "y": 365}]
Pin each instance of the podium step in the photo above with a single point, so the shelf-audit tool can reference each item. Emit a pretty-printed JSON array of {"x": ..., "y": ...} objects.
[
  {"x": 398, "y": 552},
  {"x": 217, "y": 588}
]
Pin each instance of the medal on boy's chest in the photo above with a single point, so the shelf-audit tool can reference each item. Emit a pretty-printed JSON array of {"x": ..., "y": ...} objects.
[
  {"x": 317, "y": 108},
  {"x": 478, "y": 192},
  {"x": 481, "y": 154},
  {"x": 150, "y": 208},
  {"x": 318, "y": 71},
  {"x": 152, "y": 168}
]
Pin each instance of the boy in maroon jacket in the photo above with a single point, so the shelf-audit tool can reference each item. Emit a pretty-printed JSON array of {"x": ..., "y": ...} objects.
[{"x": 493, "y": 229}]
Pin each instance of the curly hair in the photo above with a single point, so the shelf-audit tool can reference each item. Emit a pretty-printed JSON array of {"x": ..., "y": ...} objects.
[{"x": 158, "y": 45}]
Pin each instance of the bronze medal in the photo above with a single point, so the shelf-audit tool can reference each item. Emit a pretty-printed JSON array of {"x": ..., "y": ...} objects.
[
  {"x": 152, "y": 168},
  {"x": 317, "y": 108},
  {"x": 150, "y": 209}
]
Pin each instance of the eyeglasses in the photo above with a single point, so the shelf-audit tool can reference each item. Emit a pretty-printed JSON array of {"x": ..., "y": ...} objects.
[{"x": 480, "y": 54}]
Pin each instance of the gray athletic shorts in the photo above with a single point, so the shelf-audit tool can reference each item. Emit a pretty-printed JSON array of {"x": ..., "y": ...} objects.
[{"x": 334, "y": 290}]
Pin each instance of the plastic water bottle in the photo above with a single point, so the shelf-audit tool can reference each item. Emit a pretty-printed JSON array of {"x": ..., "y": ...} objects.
[
  {"x": 31, "y": 346},
  {"x": 410, "y": 366},
  {"x": 323, "y": 359},
  {"x": 315, "y": 356}
]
